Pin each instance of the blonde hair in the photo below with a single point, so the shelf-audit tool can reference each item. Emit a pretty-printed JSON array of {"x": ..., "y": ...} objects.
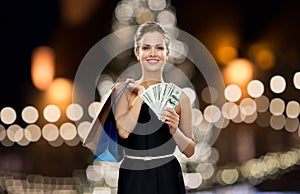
[{"x": 150, "y": 27}]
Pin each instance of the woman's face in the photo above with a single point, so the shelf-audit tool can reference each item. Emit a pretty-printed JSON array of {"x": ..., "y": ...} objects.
[{"x": 152, "y": 52}]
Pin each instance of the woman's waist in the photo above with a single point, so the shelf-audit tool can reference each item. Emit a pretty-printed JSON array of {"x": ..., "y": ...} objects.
[{"x": 149, "y": 153}]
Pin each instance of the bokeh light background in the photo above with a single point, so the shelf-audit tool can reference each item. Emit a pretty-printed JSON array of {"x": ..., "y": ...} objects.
[{"x": 255, "y": 44}]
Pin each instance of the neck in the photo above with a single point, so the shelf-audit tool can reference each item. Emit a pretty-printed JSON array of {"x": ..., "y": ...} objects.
[{"x": 152, "y": 76}]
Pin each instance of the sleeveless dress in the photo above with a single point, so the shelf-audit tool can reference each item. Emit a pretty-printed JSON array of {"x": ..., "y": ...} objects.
[{"x": 151, "y": 137}]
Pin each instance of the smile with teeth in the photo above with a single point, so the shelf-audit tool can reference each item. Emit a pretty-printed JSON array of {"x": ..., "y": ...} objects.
[{"x": 152, "y": 61}]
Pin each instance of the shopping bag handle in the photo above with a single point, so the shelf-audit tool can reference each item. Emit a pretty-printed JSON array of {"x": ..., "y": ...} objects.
[{"x": 115, "y": 101}]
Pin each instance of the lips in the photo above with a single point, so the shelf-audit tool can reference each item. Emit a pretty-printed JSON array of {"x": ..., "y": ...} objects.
[{"x": 152, "y": 61}]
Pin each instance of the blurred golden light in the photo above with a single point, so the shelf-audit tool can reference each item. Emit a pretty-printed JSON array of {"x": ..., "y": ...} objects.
[
  {"x": 74, "y": 112},
  {"x": 296, "y": 80},
  {"x": 179, "y": 51},
  {"x": 144, "y": 15},
  {"x": 7, "y": 143},
  {"x": 32, "y": 133},
  {"x": 8, "y": 115},
  {"x": 226, "y": 53},
  {"x": 111, "y": 178},
  {"x": 193, "y": 180},
  {"x": 271, "y": 163},
  {"x": 42, "y": 67},
  {"x": 24, "y": 141},
  {"x": 223, "y": 42},
  {"x": 83, "y": 129},
  {"x": 92, "y": 174},
  {"x": 104, "y": 86},
  {"x": 60, "y": 91},
  {"x": 262, "y": 103},
  {"x": 292, "y": 109},
  {"x": 209, "y": 95},
  {"x": 263, "y": 119},
  {"x": 262, "y": 56},
  {"x": 190, "y": 93},
  {"x": 203, "y": 151},
  {"x": 222, "y": 122},
  {"x": 68, "y": 131},
  {"x": 277, "y": 84},
  {"x": 102, "y": 190},
  {"x": 230, "y": 110},
  {"x": 285, "y": 161},
  {"x": 73, "y": 142},
  {"x": 57, "y": 142},
  {"x": 214, "y": 156},
  {"x": 50, "y": 132},
  {"x": 212, "y": 113},
  {"x": 257, "y": 168},
  {"x": 15, "y": 133},
  {"x": 2, "y": 133},
  {"x": 203, "y": 128},
  {"x": 239, "y": 118},
  {"x": 247, "y": 106},
  {"x": 157, "y": 5},
  {"x": 206, "y": 170},
  {"x": 277, "y": 122},
  {"x": 52, "y": 113},
  {"x": 230, "y": 176},
  {"x": 250, "y": 118},
  {"x": 76, "y": 12},
  {"x": 94, "y": 109},
  {"x": 30, "y": 114},
  {"x": 233, "y": 93},
  {"x": 255, "y": 88},
  {"x": 166, "y": 18},
  {"x": 239, "y": 72},
  {"x": 277, "y": 106},
  {"x": 291, "y": 125},
  {"x": 124, "y": 12}
]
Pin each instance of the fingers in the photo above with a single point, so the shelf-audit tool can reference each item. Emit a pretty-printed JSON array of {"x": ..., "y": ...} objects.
[
  {"x": 130, "y": 80},
  {"x": 134, "y": 86},
  {"x": 170, "y": 117}
]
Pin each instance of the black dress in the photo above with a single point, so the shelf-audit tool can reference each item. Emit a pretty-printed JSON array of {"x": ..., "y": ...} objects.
[{"x": 151, "y": 137}]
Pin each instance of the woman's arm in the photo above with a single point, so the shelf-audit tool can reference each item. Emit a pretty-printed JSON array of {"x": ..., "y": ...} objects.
[
  {"x": 127, "y": 111},
  {"x": 183, "y": 137}
]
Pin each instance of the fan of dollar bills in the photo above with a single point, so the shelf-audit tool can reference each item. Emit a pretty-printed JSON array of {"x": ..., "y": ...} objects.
[{"x": 162, "y": 95}]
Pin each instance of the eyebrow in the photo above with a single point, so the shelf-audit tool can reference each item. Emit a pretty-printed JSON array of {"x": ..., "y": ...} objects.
[{"x": 153, "y": 45}]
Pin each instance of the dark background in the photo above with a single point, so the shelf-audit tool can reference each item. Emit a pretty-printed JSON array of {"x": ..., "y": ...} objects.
[{"x": 28, "y": 24}]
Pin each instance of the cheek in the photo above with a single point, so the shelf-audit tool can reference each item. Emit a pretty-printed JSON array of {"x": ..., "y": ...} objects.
[{"x": 162, "y": 54}]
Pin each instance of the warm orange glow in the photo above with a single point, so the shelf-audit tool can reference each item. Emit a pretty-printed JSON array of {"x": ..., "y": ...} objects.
[
  {"x": 265, "y": 59},
  {"x": 239, "y": 72},
  {"x": 76, "y": 12},
  {"x": 60, "y": 91},
  {"x": 226, "y": 54},
  {"x": 223, "y": 42},
  {"x": 42, "y": 67},
  {"x": 262, "y": 56}
]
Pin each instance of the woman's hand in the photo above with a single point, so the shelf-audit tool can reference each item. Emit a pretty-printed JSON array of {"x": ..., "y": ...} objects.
[
  {"x": 171, "y": 118},
  {"x": 135, "y": 87}
]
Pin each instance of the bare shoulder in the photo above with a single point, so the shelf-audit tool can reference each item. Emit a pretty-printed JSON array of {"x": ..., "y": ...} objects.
[
  {"x": 183, "y": 103},
  {"x": 185, "y": 100}
]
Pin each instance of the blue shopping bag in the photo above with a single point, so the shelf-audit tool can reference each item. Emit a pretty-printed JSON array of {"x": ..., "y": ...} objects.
[{"x": 102, "y": 138}]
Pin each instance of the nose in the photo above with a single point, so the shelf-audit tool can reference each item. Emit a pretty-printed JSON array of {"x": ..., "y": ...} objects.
[{"x": 152, "y": 52}]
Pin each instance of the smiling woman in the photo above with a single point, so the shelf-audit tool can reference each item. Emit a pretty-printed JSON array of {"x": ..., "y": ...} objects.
[{"x": 149, "y": 141}]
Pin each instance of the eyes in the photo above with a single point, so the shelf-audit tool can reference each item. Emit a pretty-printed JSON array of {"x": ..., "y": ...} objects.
[{"x": 157, "y": 47}]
